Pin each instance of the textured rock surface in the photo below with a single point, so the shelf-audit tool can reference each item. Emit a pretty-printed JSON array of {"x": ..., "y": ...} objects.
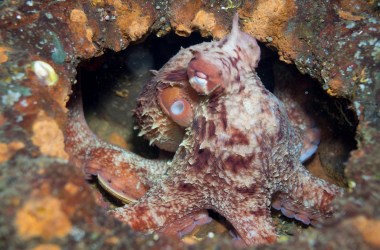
[{"x": 334, "y": 41}]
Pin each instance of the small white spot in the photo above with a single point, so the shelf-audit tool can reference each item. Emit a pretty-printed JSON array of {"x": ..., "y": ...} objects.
[
  {"x": 10, "y": 98},
  {"x": 177, "y": 107},
  {"x": 211, "y": 235},
  {"x": 357, "y": 108},
  {"x": 362, "y": 43},
  {"x": 195, "y": 80},
  {"x": 307, "y": 203},
  {"x": 201, "y": 74},
  {"x": 45, "y": 72},
  {"x": 358, "y": 55},
  {"x": 49, "y": 15},
  {"x": 19, "y": 118},
  {"x": 24, "y": 103},
  {"x": 252, "y": 234},
  {"x": 77, "y": 233},
  {"x": 350, "y": 25}
]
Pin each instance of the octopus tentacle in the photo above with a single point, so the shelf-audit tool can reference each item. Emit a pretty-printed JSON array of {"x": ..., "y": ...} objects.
[
  {"x": 308, "y": 199},
  {"x": 162, "y": 205},
  {"x": 296, "y": 103},
  {"x": 124, "y": 172},
  {"x": 233, "y": 151},
  {"x": 254, "y": 225},
  {"x": 186, "y": 224}
]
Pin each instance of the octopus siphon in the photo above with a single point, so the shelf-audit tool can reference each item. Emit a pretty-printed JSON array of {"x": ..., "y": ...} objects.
[{"x": 238, "y": 148}]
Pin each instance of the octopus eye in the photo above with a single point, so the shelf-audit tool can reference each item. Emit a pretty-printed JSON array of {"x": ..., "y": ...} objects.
[
  {"x": 177, "y": 107},
  {"x": 174, "y": 104},
  {"x": 181, "y": 112},
  {"x": 199, "y": 81}
]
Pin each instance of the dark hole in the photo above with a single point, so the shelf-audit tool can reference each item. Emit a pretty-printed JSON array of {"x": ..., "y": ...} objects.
[{"x": 111, "y": 83}]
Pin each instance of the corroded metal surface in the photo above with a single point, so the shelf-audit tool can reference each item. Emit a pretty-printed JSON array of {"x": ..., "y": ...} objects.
[{"x": 334, "y": 41}]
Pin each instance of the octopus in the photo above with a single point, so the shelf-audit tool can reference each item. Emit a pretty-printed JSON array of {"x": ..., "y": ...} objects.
[{"x": 238, "y": 149}]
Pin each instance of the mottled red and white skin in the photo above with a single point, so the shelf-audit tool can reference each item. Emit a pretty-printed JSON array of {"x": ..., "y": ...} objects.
[{"x": 236, "y": 151}]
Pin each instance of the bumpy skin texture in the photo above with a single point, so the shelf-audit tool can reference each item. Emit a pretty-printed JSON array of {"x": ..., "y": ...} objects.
[
  {"x": 238, "y": 155},
  {"x": 239, "y": 152}
]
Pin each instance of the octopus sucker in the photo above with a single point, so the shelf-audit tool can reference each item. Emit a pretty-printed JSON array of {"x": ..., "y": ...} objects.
[{"x": 238, "y": 148}]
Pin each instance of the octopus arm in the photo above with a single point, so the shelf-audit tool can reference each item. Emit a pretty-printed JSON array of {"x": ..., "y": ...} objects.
[
  {"x": 306, "y": 198},
  {"x": 121, "y": 171},
  {"x": 163, "y": 204},
  {"x": 251, "y": 219}
]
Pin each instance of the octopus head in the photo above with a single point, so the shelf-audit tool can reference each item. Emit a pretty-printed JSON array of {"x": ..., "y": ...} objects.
[
  {"x": 152, "y": 114},
  {"x": 204, "y": 75},
  {"x": 216, "y": 67},
  {"x": 165, "y": 108},
  {"x": 167, "y": 105}
]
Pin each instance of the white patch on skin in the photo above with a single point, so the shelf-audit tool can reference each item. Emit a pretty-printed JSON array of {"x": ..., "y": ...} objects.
[
  {"x": 223, "y": 137},
  {"x": 308, "y": 203},
  {"x": 248, "y": 106},
  {"x": 252, "y": 234},
  {"x": 201, "y": 82},
  {"x": 177, "y": 107},
  {"x": 158, "y": 220},
  {"x": 201, "y": 75}
]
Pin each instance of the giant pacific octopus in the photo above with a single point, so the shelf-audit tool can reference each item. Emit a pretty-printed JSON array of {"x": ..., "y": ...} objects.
[{"x": 238, "y": 148}]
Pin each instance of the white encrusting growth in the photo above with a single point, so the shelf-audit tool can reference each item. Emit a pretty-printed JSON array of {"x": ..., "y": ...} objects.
[{"x": 45, "y": 72}]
